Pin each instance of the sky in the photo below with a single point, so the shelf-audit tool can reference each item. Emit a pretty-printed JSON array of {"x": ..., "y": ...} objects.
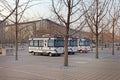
[
  {"x": 41, "y": 8},
  {"x": 36, "y": 12}
]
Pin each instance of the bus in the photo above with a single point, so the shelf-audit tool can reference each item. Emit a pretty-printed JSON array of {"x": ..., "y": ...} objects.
[
  {"x": 51, "y": 46},
  {"x": 46, "y": 46},
  {"x": 84, "y": 44}
]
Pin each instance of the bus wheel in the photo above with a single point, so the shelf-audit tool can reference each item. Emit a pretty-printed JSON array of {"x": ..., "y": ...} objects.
[{"x": 50, "y": 54}]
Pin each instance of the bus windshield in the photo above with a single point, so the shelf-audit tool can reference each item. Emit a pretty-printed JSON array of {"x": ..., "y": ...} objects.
[{"x": 84, "y": 43}]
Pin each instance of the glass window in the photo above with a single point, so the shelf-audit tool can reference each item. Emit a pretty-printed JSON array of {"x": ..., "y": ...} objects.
[
  {"x": 84, "y": 43},
  {"x": 36, "y": 44},
  {"x": 41, "y": 43},
  {"x": 59, "y": 43},
  {"x": 81, "y": 43},
  {"x": 50, "y": 43},
  {"x": 73, "y": 43},
  {"x": 31, "y": 43},
  {"x": 87, "y": 43}
]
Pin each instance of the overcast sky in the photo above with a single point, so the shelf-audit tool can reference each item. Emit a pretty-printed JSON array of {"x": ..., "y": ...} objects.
[{"x": 41, "y": 8}]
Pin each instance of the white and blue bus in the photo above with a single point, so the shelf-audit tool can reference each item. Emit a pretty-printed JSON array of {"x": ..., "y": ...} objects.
[
  {"x": 84, "y": 44},
  {"x": 46, "y": 46}
]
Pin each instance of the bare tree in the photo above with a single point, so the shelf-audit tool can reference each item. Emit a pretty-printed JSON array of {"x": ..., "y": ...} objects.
[
  {"x": 95, "y": 17},
  {"x": 18, "y": 17},
  {"x": 15, "y": 15},
  {"x": 114, "y": 15},
  {"x": 4, "y": 7},
  {"x": 16, "y": 30},
  {"x": 67, "y": 12}
]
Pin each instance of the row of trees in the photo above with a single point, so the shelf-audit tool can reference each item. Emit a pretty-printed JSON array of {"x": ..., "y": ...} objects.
[{"x": 98, "y": 15}]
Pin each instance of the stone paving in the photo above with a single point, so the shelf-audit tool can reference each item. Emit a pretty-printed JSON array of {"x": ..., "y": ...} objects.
[{"x": 81, "y": 67}]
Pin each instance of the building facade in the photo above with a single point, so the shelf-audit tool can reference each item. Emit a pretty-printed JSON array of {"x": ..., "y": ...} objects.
[
  {"x": 33, "y": 29},
  {"x": 39, "y": 28}
]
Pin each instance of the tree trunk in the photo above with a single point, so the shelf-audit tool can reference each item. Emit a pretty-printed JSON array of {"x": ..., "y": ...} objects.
[
  {"x": 96, "y": 24},
  {"x": 96, "y": 56},
  {"x": 66, "y": 50},
  {"x": 16, "y": 32},
  {"x": 67, "y": 34},
  {"x": 102, "y": 41},
  {"x": 102, "y": 45},
  {"x": 91, "y": 46},
  {"x": 113, "y": 40}
]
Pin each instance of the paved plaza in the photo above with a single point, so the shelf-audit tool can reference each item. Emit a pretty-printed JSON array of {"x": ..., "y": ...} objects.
[{"x": 81, "y": 67}]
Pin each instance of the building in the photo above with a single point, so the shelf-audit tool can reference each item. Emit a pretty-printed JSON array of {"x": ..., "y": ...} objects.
[
  {"x": 46, "y": 26},
  {"x": 33, "y": 29}
]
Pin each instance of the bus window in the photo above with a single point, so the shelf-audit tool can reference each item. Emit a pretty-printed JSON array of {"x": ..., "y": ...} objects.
[
  {"x": 31, "y": 43},
  {"x": 36, "y": 44},
  {"x": 73, "y": 43},
  {"x": 84, "y": 43},
  {"x": 59, "y": 43},
  {"x": 87, "y": 43},
  {"x": 41, "y": 43},
  {"x": 81, "y": 43},
  {"x": 50, "y": 43}
]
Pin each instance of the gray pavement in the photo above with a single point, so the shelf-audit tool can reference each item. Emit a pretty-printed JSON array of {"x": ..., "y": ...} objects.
[{"x": 81, "y": 67}]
